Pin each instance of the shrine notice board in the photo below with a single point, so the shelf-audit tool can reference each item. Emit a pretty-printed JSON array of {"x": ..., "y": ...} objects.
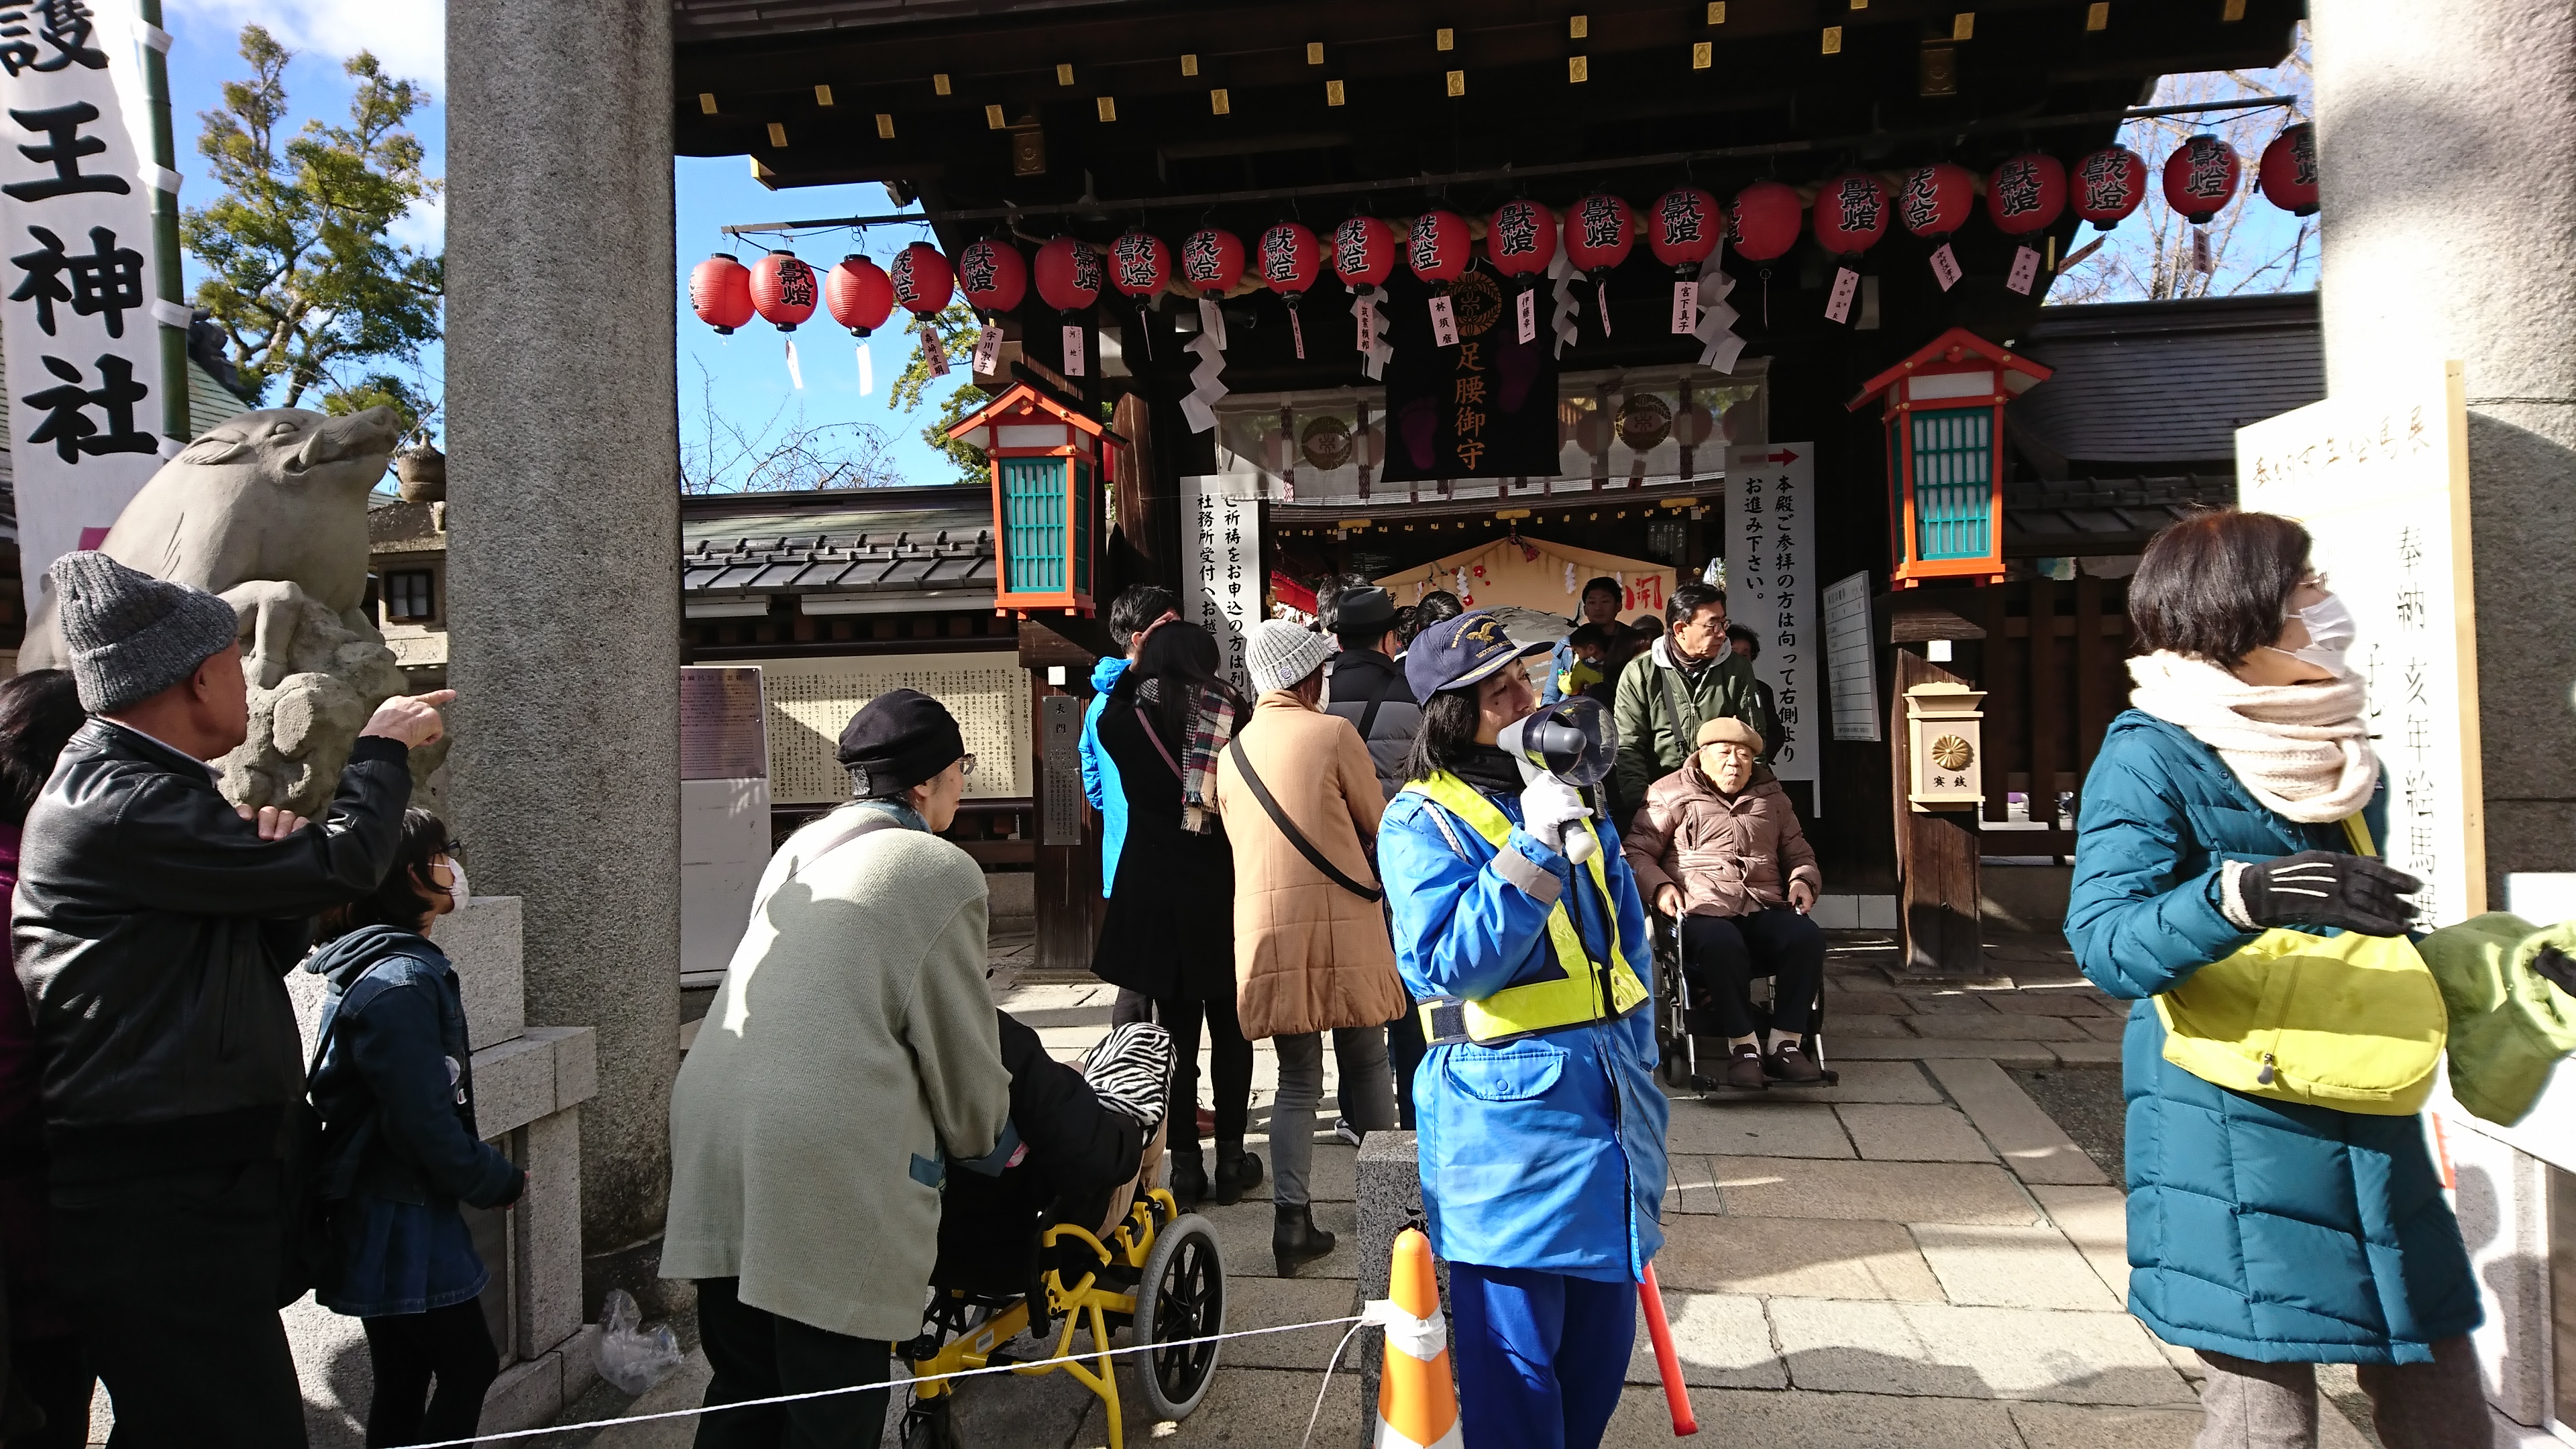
[
  {"x": 810, "y": 700},
  {"x": 2380, "y": 476}
]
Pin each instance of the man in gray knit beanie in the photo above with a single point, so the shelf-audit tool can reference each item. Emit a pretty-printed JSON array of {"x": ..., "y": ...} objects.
[{"x": 154, "y": 924}]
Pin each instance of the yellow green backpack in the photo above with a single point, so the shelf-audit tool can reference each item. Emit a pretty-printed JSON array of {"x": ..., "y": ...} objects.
[{"x": 2350, "y": 1022}]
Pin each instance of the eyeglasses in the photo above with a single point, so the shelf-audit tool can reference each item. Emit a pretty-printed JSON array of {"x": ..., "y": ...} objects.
[
  {"x": 453, "y": 850},
  {"x": 966, "y": 764}
]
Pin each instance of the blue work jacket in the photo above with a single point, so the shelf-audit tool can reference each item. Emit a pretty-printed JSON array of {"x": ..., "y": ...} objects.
[
  {"x": 1100, "y": 774},
  {"x": 2271, "y": 1230},
  {"x": 1546, "y": 1152}
]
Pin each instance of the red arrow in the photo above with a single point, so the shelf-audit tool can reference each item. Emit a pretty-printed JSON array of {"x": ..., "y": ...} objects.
[{"x": 1783, "y": 456}]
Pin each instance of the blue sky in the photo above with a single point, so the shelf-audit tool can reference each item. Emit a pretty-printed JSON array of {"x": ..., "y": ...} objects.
[{"x": 744, "y": 378}]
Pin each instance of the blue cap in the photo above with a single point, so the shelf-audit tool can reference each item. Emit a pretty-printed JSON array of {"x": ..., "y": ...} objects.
[{"x": 1457, "y": 653}]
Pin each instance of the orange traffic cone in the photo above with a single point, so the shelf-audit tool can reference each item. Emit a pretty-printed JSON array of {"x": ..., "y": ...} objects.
[{"x": 1417, "y": 1407}]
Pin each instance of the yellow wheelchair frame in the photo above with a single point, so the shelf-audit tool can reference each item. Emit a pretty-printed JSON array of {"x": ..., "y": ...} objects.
[{"x": 1089, "y": 1304}]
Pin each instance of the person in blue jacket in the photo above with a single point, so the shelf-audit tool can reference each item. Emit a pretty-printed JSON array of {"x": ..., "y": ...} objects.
[
  {"x": 394, "y": 1083},
  {"x": 1542, "y": 1130},
  {"x": 2268, "y": 1235},
  {"x": 1132, "y": 616}
]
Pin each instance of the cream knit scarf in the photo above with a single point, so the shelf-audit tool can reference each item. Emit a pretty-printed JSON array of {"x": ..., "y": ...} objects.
[{"x": 2302, "y": 749}]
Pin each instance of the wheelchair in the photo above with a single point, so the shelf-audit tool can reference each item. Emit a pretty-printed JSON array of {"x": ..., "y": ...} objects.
[
  {"x": 1158, "y": 1273},
  {"x": 1680, "y": 1050}
]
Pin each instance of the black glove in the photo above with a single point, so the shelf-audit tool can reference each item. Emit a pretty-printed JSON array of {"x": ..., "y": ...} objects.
[{"x": 2328, "y": 888}]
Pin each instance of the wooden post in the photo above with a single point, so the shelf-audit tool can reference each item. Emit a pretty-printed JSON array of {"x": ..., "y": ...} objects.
[
  {"x": 1068, "y": 832},
  {"x": 2047, "y": 700},
  {"x": 2092, "y": 685},
  {"x": 1940, "y": 930},
  {"x": 2006, "y": 691}
]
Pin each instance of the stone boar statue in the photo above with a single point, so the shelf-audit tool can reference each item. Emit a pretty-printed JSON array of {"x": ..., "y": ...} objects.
[{"x": 268, "y": 510}]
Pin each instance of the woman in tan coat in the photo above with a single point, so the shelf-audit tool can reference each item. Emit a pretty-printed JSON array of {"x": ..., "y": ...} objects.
[
  {"x": 1311, "y": 952},
  {"x": 1718, "y": 846}
]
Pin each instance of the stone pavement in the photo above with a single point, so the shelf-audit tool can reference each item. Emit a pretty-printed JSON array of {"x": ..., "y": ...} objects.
[{"x": 1917, "y": 1256}]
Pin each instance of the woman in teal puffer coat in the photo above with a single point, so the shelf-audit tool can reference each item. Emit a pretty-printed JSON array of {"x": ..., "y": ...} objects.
[{"x": 2268, "y": 1235}]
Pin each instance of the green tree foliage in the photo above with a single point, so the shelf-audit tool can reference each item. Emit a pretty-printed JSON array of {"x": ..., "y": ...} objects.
[
  {"x": 305, "y": 282},
  {"x": 957, "y": 328}
]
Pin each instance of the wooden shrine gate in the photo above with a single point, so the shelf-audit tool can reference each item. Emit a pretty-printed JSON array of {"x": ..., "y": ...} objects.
[{"x": 2054, "y": 665}]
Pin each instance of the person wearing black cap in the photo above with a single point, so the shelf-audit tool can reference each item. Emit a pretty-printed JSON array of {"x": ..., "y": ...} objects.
[
  {"x": 1361, "y": 682},
  {"x": 850, "y": 1056},
  {"x": 1519, "y": 929}
]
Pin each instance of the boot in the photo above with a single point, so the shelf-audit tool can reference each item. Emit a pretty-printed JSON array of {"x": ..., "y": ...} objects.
[
  {"x": 1295, "y": 1239},
  {"x": 1189, "y": 1178},
  {"x": 1237, "y": 1172}
]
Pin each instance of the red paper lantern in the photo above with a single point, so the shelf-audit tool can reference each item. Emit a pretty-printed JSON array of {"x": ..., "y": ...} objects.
[
  {"x": 921, "y": 279},
  {"x": 1363, "y": 251},
  {"x": 1291, "y": 260},
  {"x": 720, "y": 292},
  {"x": 1599, "y": 233},
  {"x": 2026, "y": 194},
  {"x": 2289, "y": 170},
  {"x": 2200, "y": 176},
  {"x": 1212, "y": 260},
  {"x": 1139, "y": 264},
  {"x": 1937, "y": 199},
  {"x": 1851, "y": 213},
  {"x": 2109, "y": 184},
  {"x": 858, "y": 295},
  {"x": 993, "y": 275},
  {"x": 1438, "y": 251},
  {"x": 783, "y": 290},
  {"x": 1764, "y": 222},
  {"x": 1682, "y": 230},
  {"x": 1068, "y": 274},
  {"x": 1520, "y": 238}
]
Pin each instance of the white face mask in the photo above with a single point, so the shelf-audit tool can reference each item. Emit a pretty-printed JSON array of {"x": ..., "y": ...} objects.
[
  {"x": 2330, "y": 634},
  {"x": 456, "y": 888}
]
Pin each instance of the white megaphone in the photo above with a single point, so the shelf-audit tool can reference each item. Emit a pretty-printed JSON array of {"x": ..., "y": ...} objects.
[{"x": 1574, "y": 740}]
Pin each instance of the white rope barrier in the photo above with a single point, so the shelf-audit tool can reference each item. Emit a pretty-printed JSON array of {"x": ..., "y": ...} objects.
[{"x": 1357, "y": 1320}]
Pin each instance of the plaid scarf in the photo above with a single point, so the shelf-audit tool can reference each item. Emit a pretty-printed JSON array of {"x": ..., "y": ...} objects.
[{"x": 1211, "y": 725}]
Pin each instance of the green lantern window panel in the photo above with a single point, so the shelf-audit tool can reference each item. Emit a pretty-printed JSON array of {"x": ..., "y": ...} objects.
[
  {"x": 1954, "y": 484},
  {"x": 1085, "y": 490},
  {"x": 1033, "y": 525}
]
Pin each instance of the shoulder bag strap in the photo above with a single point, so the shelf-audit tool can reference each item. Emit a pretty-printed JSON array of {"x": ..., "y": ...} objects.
[
  {"x": 1673, "y": 703},
  {"x": 1287, "y": 827},
  {"x": 1368, "y": 717}
]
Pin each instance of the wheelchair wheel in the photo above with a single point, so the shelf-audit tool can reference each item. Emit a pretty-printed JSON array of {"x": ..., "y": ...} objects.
[
  {"x": 1181, "y": 1297},
  {"x": 930, "y": 1424}
]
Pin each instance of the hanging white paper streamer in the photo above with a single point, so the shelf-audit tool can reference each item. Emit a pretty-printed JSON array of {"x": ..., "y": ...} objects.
[
  {"x": 931, "y": 350},
  {"x": 795, "y": 374},
  {"x": 1719, "y": 346},
  {"x": 867, "y": 374},
  {"x": 1375, "y": 349},
  {"x": 2025, "y": 270},
  {"x": 988, "y": 351},
  {"x": 1444, "y": 322},
  {"x": 1560, "y": 271},
  {"x": 1206, "y": 385},
  {"x": 1838, "y": 302},
  {"x": 1945, "y": 267},
  {"x": 1685, "y": 308},
  {"x": 1525, "y": 314},
  {"x": 1073, "y": 351}
]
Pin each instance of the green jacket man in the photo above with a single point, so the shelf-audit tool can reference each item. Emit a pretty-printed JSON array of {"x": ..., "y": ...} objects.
[{"x": 1690, "y": 669}]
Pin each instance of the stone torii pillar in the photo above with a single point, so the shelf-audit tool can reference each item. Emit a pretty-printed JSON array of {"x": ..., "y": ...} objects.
[
  {"x": 2447, "y": 153},
  {"x": 564, "y": 613}
]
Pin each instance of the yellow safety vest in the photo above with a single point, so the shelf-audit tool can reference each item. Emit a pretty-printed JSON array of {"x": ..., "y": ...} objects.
[{"x": 1572, "y": 999}]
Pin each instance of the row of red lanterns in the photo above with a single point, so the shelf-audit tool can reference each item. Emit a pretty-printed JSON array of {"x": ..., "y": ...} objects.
[{"x": 1851, "y": 213}]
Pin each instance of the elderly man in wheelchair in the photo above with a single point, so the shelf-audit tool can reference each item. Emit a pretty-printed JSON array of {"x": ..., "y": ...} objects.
[
  {"x": 1072, "y": 1228},
  {"x": 1718, "y": 851}
]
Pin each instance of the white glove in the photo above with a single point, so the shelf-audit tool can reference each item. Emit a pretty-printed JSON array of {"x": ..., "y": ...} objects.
[{"x": 1548, "y": 807}]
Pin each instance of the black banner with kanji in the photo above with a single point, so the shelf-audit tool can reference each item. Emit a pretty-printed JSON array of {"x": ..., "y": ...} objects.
[{"x": 1483, "y": 407}]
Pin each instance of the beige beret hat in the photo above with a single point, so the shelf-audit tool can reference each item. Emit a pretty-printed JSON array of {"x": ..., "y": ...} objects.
[{"x": 1726, "y": 730}]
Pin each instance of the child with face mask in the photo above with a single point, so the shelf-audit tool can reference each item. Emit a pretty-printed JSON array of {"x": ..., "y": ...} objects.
[{"x": 394, "y": 1083}]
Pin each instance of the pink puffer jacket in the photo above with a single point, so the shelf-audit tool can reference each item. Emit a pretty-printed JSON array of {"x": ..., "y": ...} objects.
[{"x": 1731, "y": 855}]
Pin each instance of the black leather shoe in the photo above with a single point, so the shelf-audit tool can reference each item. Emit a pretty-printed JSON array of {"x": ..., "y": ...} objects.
[
  {"x": 1237, "y": 1172},
  {"x": 1189, "y": 1179},
  {"x": 1295, "y": 1239},
  {"x": 1744, "y": 1070}
]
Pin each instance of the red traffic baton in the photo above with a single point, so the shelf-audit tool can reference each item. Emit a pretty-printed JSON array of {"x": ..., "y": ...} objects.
[{"x": 1667, "y": 1363}]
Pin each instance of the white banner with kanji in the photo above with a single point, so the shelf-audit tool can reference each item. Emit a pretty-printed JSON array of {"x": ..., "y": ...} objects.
[
  {"x": 1771, "y": 586},
  {"x": 80, "y": 317}
]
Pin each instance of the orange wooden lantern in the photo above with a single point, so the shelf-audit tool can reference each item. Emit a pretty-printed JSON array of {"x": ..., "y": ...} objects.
[
  {"x": 1049, "y": 464},
  {"x": 1945, "y": 455}
]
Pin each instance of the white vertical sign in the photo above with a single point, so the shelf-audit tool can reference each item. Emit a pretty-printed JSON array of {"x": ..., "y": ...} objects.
[
  {"x": 82, "y": 319},
  {"x": 1851, "y": 659},
  {"x": 2381, "y": 479},
  {"x": 1771, "y": 586},
  {"x": 1225, "y": 578}
]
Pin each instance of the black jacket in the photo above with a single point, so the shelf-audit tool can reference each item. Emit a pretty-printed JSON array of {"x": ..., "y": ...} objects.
[
  {"x": 153, "y": 932},
  {"x": 396, "y": 1082},
  {"x": 1368, "y": 689},
  {"x": 1079, "y": 1152}
]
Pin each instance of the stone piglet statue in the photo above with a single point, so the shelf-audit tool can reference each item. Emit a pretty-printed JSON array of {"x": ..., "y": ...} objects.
[{"x": 268, "y": 510}]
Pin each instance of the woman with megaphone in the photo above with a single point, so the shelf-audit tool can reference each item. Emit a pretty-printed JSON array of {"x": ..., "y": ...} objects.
[{"x": 1518, "y": 928}]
